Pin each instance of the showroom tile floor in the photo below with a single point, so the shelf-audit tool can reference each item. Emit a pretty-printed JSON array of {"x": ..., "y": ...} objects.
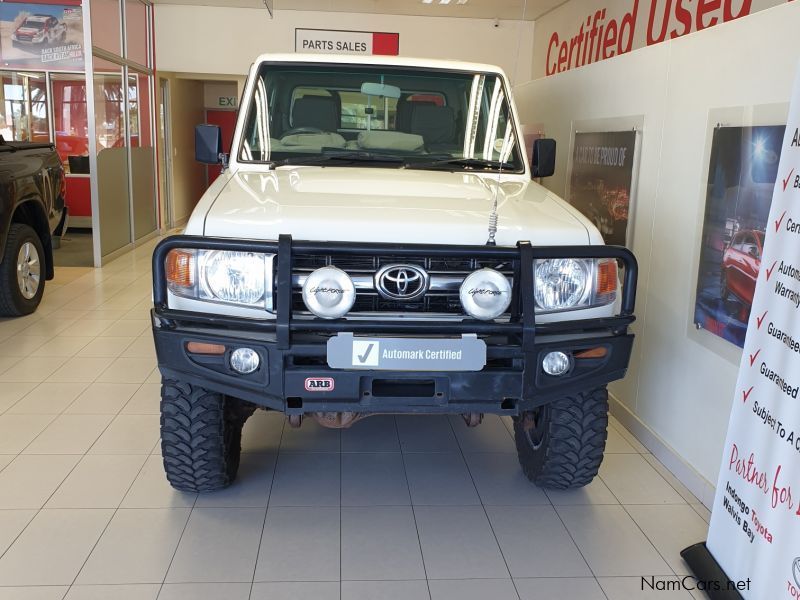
[{"x": 399, "y": 508}]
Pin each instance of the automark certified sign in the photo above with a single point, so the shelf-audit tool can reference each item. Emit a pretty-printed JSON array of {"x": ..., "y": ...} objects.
[{"x": 466, "y": 353}]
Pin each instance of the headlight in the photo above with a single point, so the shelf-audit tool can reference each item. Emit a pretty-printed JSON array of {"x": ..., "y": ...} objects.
[
  {"x": 241, "y": 278},
  {"x": 237, "y": 277},
  {"x": 567, "y": 283}
]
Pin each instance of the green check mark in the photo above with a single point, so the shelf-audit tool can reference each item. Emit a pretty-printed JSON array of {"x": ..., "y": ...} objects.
[{"x": 363, "y": 357}]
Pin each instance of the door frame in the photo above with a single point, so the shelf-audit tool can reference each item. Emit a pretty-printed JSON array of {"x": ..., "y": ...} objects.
[{"x": 165, "y": 140}]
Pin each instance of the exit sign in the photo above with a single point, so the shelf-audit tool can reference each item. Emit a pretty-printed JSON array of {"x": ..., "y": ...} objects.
[{"x": 227, "y": 101}]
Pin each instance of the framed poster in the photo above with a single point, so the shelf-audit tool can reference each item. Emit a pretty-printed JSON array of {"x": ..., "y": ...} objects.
[
  {"x": 742, "y": 171},
  {"x": 41, "y": 36},
  {"x": 602, "y": 180}
]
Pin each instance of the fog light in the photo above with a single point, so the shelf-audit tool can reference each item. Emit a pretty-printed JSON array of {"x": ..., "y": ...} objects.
[
  {"x": 245, "y": 360},
  {"x": 556, "y": 363},
  {"x": 485, "y": 294},
  {"x": 329, "y": 293}
]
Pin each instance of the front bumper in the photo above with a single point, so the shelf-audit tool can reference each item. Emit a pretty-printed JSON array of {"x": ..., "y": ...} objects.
[{"x": 293, "y": 350}]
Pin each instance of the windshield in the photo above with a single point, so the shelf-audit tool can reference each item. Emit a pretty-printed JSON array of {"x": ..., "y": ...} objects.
[
  {"x": 33, "y": 24},
  {"x": 421, "y": 118}
]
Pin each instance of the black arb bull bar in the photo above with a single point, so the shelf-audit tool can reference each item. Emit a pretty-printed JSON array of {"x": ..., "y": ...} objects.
[{"x": 293, "y": 348}]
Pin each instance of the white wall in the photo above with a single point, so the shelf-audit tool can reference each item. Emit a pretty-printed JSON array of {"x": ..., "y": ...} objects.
[
  {"x": 203, "y": 39},
  {"x": 681, "y": 382}
]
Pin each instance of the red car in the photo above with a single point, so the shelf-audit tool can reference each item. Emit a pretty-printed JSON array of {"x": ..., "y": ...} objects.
[{"x": 741, "y": 262}]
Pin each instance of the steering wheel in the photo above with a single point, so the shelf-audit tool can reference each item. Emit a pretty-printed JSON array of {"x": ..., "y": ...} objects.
[{"x": 299, "y": 130}]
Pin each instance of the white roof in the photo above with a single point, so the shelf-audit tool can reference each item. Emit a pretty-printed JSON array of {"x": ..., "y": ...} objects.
[{"x": 393, "y": 61}]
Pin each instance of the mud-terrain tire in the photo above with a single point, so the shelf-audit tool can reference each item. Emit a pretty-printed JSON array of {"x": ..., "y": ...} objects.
[
  {"x": 561, "y": 445},
  {"x": 23, "y": 266},
  {"x": 201, "y": 434}
]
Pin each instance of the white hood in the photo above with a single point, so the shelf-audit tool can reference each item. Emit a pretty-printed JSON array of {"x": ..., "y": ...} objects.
[{"x": 384, "y": 205}]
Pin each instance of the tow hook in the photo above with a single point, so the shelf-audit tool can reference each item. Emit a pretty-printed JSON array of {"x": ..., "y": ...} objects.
[{"x": 472, "y": 419}]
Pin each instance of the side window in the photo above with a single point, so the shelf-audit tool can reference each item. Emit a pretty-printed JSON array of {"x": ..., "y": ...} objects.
[{"x": 750, "y": 247}]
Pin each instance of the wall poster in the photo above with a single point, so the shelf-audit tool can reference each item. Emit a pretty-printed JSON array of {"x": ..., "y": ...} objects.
[
  {"x": 741, "y": 176},
  {"x": 41, "y": 36},
  {"x": 602, "y": 179}
]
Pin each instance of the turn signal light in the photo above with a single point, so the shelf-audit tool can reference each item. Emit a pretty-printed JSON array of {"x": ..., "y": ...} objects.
[
  {"x": 205, "y": 348},
  {"x": 180, "y": 268},
  {"x": 606, "y": 277},
  {"x": 599, "y": 352}
]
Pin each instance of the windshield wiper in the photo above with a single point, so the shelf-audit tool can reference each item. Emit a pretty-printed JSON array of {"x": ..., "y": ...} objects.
[
  {"x": 469, "y": 163},
  {"x": 355, "y": 156}
]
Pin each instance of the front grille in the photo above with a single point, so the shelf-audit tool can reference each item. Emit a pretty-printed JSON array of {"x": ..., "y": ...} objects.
[{"x": 369, "y": 301}]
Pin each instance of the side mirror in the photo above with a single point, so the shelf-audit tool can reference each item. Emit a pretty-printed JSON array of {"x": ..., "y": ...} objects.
[
  {"x": 208, "y": 144},
  {"x": 544, "y": 158}
]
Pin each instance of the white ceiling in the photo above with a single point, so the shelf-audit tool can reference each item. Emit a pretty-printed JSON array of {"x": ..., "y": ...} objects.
[{"x": 475, "y": 9}]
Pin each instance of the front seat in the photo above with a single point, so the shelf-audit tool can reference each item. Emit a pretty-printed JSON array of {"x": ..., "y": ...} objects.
[
  {"x": 318, "y": 112},
  {"x": 437, "y": 126}
]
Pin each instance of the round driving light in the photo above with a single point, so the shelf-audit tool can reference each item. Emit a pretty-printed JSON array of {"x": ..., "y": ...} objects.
[
  {"x": 485, "y": 294},
  {"x": 245, "y": 360},
  {"x": 329, "y": 293},
  {"x": 555, "y": 363}
]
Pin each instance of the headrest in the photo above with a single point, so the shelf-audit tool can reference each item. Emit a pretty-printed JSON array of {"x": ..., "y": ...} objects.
[
  {"x": 320, "y": 112},
  {"x": 437, "y": 124},
  {"x": 404, "y": 109}
]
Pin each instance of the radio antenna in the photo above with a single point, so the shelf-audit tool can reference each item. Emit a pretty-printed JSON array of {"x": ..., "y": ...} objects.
[{"x": 493, "y": 221}]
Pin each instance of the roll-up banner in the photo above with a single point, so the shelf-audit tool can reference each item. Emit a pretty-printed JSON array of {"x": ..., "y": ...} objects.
[{"x": 753, "y": 548}]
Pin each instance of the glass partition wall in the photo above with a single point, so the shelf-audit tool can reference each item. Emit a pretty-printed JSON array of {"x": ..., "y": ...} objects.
[
  {"x": 105, "y": 137},
  {"x": 122, "y": 151}
]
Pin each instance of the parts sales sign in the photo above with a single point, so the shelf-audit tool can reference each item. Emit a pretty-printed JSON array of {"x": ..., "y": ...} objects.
[
  {"x": 326, "y": 41},
  {"x": 755, "y": 523}
]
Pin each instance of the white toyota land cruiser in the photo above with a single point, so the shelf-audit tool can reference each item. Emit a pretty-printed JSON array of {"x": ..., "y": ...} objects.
[{"x": 376, "y": 244}]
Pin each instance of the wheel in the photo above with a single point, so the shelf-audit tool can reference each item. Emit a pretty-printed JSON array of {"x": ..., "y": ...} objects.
[
  {"x": 561, "y": 444},
  {"x": 201, "y": 434},
  {"x": 21, "y": 272}
]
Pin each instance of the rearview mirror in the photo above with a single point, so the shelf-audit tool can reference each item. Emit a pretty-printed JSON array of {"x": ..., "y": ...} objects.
[
  {"x": 380, "y": 89},
  {"x": 544, "y": 158},
  {"x": 208, "y": 144}
]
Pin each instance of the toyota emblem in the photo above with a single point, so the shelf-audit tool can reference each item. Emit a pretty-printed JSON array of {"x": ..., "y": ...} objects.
[{"x": 401, "y": 282}]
